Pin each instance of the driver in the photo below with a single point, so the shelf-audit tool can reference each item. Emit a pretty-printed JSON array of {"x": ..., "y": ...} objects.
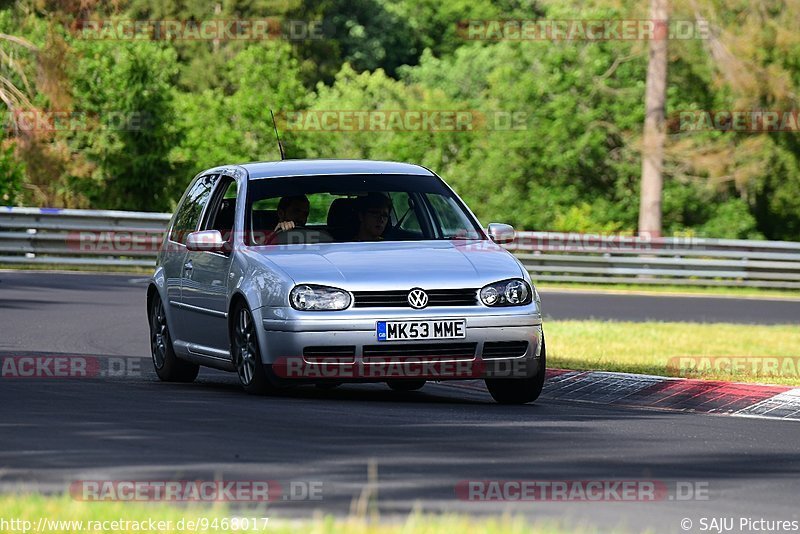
[{"x": 292, "y": 212}]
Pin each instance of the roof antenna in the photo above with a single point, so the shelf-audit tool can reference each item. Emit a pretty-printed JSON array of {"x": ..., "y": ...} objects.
[{"x": 278, "y": 137}]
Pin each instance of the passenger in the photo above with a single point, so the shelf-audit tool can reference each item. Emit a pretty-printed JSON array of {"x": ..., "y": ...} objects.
[
  {"x": 292, "y": 212},
  {"x": 373, "y": 215}
]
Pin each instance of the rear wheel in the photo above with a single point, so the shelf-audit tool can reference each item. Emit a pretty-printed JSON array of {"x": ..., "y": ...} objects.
[
  {"x": 167, "y": 365},
  {"x": 405, "y": 385},
  {"x": 246, "y": 354},
  {"x": 519, "y": 390}
]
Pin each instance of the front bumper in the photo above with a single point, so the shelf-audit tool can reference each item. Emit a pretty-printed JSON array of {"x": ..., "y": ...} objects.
[{"x": 284, "y": 338}]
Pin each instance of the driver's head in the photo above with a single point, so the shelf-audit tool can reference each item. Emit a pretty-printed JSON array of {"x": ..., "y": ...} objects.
[{"x": 294, "y": 208}]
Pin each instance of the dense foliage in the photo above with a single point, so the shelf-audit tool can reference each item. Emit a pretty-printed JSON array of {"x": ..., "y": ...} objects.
[{"x": 154, "y": 112}]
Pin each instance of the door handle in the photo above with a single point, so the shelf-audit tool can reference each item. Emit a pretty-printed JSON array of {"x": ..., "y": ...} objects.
[{"x": 187, "y": 267}]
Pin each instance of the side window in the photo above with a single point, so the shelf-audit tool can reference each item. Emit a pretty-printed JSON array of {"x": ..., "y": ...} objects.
[
  {"x": 319, "y": 205},
  {"x": 452, "y": 220},
  {"x": 404, "y": 211},
  {"x": 221, "y": 216},
  {"x": 190, "y": 210}
]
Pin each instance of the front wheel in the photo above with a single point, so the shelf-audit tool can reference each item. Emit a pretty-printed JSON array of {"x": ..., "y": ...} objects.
[
  {"x": 519, "y": 390},
  {"x": 246, "y": 354},
  {"x": 167, "y": 365}
]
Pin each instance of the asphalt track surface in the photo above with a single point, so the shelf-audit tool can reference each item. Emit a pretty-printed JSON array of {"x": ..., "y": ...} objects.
[{"x": 56, "y": 431}]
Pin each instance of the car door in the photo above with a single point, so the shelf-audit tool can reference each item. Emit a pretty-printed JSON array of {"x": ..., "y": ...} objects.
[
  {"x": 186, "y": 220},
  {"x": 204, "y": 288}
]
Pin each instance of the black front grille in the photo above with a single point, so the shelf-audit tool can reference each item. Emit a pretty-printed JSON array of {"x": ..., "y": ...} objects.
[
  {"x": 328, "y": 354},
  {"x": 504, "y": 349},
  {"x": 399, "y": 299},
  {"x": 423, "y": 351}
]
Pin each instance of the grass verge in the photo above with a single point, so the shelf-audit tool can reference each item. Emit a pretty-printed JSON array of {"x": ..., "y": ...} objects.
[
  {"x": 718, "y": 351},
  {"x": 98, "y": 517},
  {"x": 752, "y": 292}
]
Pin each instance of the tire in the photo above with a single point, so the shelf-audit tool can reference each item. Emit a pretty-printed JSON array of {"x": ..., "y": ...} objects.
[
  {"x": 405, "y": 385},
  {"x": 519, "y": 390},
  {"x": 167, "y": 365},
  {"x": 246, "y": 354}
]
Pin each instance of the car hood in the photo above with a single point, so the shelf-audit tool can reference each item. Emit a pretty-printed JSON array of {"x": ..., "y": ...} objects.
[{"x": 396, "y": 265}]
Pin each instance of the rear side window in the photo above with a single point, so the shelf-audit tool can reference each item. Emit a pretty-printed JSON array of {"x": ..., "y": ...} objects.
[{"x": 190, "y": 210}]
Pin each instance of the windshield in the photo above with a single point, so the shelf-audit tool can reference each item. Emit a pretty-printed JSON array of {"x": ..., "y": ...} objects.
[{"x": 319, "y": 209}]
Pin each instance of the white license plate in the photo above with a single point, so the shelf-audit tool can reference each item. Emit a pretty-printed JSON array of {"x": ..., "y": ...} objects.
[{"x": 404, "y": 330}]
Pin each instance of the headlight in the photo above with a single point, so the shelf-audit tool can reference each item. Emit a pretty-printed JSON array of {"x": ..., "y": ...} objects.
[
  {"x": 318, "y": 298},
  {"x": 514, "y": 292}
]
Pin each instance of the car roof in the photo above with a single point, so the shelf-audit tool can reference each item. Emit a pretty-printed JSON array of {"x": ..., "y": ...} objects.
[{"x": 315, "y": 167}]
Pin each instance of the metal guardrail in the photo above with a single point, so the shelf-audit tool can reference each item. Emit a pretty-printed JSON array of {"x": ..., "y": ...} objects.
[
  {"x": 80, "y": 237},
  {"x": 560, "y": 257},
  {"x": 121, "y": 238}
]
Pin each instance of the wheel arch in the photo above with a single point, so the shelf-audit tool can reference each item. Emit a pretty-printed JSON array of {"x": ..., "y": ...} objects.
[
  {"x": 236, "y": 299},
  {"x": 152, "y": 290},
  {"x": 261, "y": 335}
]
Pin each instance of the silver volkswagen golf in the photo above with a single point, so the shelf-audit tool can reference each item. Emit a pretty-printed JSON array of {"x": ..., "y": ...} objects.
[{"x": 332, "y": 271}]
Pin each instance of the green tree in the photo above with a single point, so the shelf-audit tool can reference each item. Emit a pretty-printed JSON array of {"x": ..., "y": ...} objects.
[
  {"x": 126, "y": 92},
  {"x": 237, "y": 127},
  {"x": 12, "y": 172}
]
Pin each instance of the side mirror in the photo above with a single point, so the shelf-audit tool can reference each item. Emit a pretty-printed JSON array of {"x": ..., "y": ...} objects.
[
  {"x": 207, "y": 240},
  {"x": 501, "y": 233}
]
